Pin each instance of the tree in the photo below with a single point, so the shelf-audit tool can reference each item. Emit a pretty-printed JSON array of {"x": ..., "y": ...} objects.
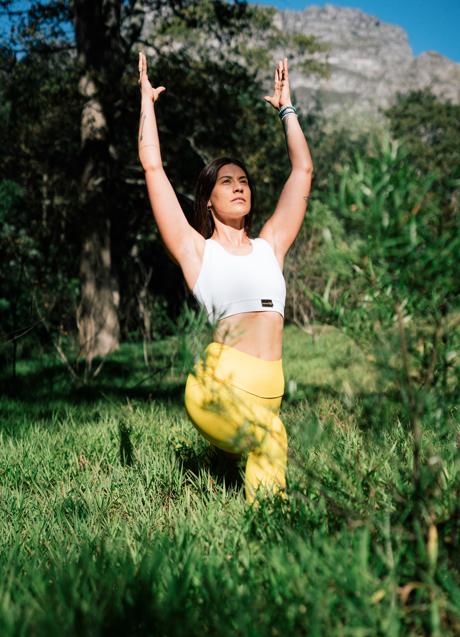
[
  {"x": 430, "y": 131},
  {"x": 99, "y": 48},
  {"x": 94, "y": 195}
]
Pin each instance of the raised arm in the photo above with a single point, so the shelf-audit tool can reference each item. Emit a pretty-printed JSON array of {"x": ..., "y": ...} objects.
[
  {"x": 174, "y": 228},
  {"x": 284, "y": 225}
]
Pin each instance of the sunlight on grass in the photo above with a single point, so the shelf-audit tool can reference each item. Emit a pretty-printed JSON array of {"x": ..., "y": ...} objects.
[
  {"x": 118, "y": 517},
  {"x": 326, "y": 357}
]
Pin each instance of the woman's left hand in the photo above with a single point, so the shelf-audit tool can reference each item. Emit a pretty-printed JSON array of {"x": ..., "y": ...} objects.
[
  {"x": 281, "y": 95},
  {"x": 147, "y": 89}
]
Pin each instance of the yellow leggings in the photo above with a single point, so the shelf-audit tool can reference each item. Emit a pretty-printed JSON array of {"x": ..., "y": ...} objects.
[{"x": 233, "y": 399}]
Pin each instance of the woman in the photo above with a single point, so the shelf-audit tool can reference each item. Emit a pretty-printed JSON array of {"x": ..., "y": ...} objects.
[{"x": 233, "y": 397}]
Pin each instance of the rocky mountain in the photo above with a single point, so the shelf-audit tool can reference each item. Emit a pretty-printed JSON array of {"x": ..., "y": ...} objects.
[{"x": 370, "y": 62}]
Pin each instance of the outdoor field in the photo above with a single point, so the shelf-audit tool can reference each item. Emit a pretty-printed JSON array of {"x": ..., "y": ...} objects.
[
  {"x": 119, "y": 519},
  {"x": 282, "y": 179}
]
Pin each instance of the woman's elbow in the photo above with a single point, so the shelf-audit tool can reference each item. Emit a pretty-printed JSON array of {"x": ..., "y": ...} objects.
[
  {"x": 304, "y": 168},
  {"x": 149, "y": 163},
  {"x": 151, "y": 168}
]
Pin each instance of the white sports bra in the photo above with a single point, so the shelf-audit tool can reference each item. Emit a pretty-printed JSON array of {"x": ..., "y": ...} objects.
[{"x": 233, "y": 284}]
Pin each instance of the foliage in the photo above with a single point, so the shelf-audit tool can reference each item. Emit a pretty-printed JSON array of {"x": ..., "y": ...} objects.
[
  {"x": 386, "y": 271},
  {"x": 396, "y": 204},
  {"x": 39, "y": 275},
  {"x": 406, "y": 255},
  {"x": 213, "y": 105},
  {"x": 369, "y": 540},
  {"x": 318, "y": 266},
  {"x": 389, "y": 212},
  {"x": 385, "y": 202},
  {"x": 430, "y": 131},
  {"x": 16, "y": 246}
]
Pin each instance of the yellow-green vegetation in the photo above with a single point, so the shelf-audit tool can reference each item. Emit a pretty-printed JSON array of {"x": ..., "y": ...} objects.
[
  {"x": 323, "y": 356},
  {"x": 119, "y": 519}
]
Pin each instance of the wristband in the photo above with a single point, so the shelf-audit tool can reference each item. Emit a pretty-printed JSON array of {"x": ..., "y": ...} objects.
[{"x": 287, "y": 110}]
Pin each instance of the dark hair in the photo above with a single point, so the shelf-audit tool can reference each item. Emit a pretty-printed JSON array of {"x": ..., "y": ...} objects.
[{"x": 202, "y": 219}]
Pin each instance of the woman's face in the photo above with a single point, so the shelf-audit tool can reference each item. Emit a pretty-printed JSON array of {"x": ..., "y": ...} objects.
[{"x": 230, "y": 198}]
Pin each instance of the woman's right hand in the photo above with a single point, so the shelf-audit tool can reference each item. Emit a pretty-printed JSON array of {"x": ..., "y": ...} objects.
[{"x": 147, "y": 89}]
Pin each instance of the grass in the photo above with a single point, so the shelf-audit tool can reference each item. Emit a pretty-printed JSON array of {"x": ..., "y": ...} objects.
[{"x": 117, "y": 518}]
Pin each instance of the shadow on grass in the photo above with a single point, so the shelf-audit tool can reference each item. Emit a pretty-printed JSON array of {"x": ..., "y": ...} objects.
[
  {"x": 118, "y": 381},
  {"x": 224, "y": 468},
  {"x": 44, "y": 392},
  {"x": 43, "y": 388}
]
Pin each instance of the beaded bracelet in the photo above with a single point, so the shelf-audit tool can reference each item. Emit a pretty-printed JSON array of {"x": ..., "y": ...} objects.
[{"x": 287, "y": 110}]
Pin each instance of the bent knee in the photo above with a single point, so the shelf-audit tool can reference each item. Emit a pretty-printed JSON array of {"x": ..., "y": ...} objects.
[{"x": 275, "y": 441}]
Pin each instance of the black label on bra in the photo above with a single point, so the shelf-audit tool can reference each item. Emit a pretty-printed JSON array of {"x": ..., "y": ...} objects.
[{"x": 266, "y": 302}]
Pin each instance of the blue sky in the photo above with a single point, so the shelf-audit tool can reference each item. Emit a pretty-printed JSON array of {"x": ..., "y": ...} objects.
[{"x": 430, "y": 25}]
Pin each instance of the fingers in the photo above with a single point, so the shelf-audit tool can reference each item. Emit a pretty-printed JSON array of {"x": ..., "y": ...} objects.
[
  {"x": 278, "y": 80},
  {"x": 282, "y": 69},
  {"x": 142, "y": 63},
  {"x": 141, "y": 66},
  {"x": 281, "y": 75},
  {"x": 281, "y": 83}
]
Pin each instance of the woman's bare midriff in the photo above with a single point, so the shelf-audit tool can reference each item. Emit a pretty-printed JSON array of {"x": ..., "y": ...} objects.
[{"x": 256, "y": 333}]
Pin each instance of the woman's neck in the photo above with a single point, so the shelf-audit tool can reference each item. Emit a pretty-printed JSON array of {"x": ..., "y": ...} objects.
[{"x": 230, "y": 236}]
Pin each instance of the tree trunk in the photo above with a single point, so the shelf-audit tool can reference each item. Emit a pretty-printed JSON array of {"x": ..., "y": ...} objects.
[{"x": 97, "y": 28}]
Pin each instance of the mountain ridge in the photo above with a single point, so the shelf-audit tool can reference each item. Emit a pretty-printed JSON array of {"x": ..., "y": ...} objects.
[{"x": 370, "y": 62}]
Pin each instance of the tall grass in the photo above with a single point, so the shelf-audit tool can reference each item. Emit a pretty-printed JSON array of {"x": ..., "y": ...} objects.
[{"x": 119, "y": 519}]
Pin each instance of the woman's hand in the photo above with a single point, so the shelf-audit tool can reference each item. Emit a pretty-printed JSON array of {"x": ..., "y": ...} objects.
[
  {"x": 281, "y": 95},
  {"x": 147, "y": 89}
]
